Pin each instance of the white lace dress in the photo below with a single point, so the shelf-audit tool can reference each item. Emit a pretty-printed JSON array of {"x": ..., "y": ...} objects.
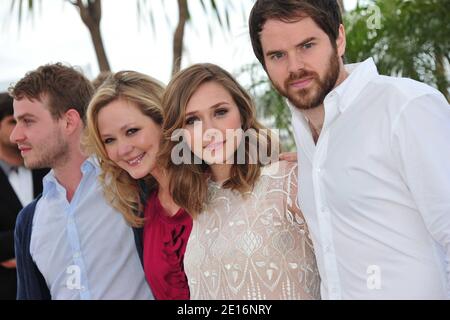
[{"x": 255, "y": 246}]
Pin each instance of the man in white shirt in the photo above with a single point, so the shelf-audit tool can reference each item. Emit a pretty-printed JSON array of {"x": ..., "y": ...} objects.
[{"x": 374, "y": 157}]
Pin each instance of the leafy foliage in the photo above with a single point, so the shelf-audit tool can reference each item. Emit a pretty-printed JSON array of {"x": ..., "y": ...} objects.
[{"x": 412, "y": 39}]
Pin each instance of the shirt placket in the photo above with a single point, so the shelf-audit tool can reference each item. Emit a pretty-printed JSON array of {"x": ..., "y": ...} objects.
[
  {"x": 323, "y": 211},
  {"x": 75, "y": 245}
]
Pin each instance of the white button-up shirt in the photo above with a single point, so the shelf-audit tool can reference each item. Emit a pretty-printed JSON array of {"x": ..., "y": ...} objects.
[
  {"x": 375, "y": 190},
  {"x": 21, "y": 181},
  {"x": 84, "y": 249}
]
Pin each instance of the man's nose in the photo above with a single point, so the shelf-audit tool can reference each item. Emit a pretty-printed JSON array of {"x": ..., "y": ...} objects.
[
  {"x": 16, "y": 135},
  {"x": 295, "y": 63}
]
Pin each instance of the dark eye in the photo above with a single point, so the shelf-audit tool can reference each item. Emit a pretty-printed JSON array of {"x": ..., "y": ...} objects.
[
  {"x": 108, "y": 140},
  {"x": 308, "y": 45},
  {"x": 27, "y": 121},
  {"x": 277, "y": 56},
  {"x": 221, "y": 112},
  {"x": 131, "y": 131},
  {"x": 191, "y": 120}
]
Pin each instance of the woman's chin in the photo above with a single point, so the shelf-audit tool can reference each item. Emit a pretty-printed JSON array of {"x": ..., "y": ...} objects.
[{"x": 137, "y": 174}]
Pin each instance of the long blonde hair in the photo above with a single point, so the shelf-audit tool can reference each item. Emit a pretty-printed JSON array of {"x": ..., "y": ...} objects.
[
  {"x": 120, "y": 189},
  {"x": 191, "y": 176}
]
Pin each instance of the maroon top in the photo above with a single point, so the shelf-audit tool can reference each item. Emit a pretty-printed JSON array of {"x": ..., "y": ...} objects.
[{"x": 165, "y": 240}]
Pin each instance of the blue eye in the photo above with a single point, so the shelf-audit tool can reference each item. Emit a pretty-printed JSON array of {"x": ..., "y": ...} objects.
[
  {"x": 308, "y": 45},
  {"x": 277, "y": 56}
]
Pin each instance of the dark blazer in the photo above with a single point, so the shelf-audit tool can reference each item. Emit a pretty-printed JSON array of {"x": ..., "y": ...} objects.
[{"x": 10, "y": 207}]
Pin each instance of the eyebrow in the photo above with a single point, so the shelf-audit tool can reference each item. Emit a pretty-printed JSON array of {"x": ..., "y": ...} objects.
[
  {"x": 122, "y": 128},
  {"x": 215, "y": 106},
  {"x": 126, "y": 126},
  {"x": 272, "y": 52}
]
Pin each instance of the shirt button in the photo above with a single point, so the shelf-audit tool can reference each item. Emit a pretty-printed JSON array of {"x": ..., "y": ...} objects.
[
  {"x": 76, "y": 255},
  {"x": 320, "y": 171},
  {"x": 325, "y": 209}
]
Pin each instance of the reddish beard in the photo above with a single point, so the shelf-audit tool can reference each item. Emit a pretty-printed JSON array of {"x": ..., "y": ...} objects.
[{"x": 314, "y": 95}]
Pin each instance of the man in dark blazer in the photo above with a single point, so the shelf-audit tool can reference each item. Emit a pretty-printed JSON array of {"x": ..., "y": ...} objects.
[{"x": 27, "y": 183}]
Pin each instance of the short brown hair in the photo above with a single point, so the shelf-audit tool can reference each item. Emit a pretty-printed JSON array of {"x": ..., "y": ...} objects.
[
  {"x": 65, "y": 87},
  {"x": 325, "y": 13},
  {"x": 192, "y": 177}
]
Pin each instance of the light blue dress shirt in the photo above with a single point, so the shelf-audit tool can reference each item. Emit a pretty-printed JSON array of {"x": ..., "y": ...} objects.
[{"x": 84, "y": 249}]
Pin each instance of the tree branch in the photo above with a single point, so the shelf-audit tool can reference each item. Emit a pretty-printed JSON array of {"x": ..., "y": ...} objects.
[{"x": 178, "y": 37}]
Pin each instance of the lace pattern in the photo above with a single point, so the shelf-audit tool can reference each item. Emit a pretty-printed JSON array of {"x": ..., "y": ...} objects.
[{"x": 253, "y": 246}]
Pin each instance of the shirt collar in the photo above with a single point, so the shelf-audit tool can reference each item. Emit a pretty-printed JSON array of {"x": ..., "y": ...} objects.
[
  {"x": 90, "y": 164},
  {"x": 359, "y": 75},
  {"x": 6, "y": 167},
  {"x": 50, "y": 184}
]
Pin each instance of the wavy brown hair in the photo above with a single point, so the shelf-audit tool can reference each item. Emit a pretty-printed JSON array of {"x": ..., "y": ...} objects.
[
  {"x": 122, "y": 191},
  {"x": 188, "y": 184}
]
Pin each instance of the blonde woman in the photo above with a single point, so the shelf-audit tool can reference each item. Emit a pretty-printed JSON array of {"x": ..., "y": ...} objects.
[
  {"x": 249, "y": 239},
  {"x": 124, "y": 130}
]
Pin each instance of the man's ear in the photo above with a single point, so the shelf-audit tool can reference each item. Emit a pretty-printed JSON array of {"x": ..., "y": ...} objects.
[
  {"x": 341, "y": 41},
  {"x": 72, "y": 121}
]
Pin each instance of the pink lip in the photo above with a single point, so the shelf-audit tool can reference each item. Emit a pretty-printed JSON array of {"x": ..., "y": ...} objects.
[
  {"x": 24, "y": 150},
  {"x": 300, "y": 84},
  {"x": 136, "y": 161},
  {"x": 215, "y": 146}
]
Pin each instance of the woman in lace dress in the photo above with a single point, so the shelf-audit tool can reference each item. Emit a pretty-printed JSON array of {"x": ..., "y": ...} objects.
[
  {"x": 249, "y": 239},
  {"x": 124, "y": 130}
]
